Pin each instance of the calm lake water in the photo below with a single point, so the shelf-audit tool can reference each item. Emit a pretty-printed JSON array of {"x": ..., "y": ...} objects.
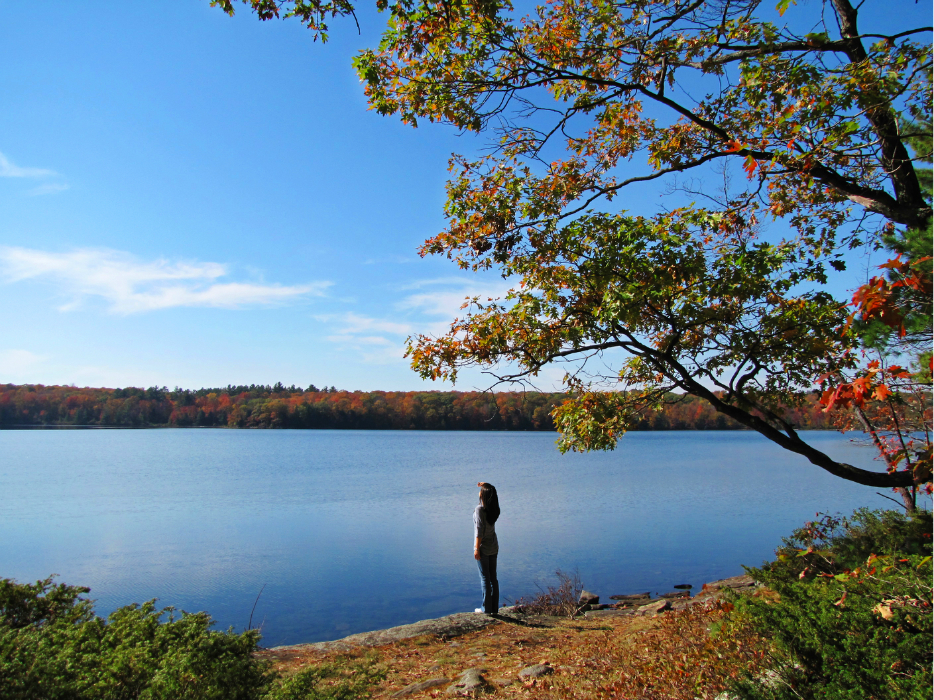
[{"x": 357, "y": 530}]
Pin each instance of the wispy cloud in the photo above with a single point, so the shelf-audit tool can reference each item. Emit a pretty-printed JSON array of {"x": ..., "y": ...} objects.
[
  {"x": 13, "y": 362},
  {"x": 374, "y": 340},
  {"x": 8, "y": 169},
  {"x": 435, "y": 303},
  {"x": 392, "y": 259},
  {"x": 130, "y": 285},
  {"x": 444, "y": 297},
  {"x": 356, "y": 324},
  {"x": 48, "y": 188}
]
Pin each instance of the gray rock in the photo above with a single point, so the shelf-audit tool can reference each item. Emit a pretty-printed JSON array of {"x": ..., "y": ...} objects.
[
  {"x": 654, "y": 608},
  {"x": 631, "y": 596},
  {"x": 633, "y": 602},
  {"x": 611, "y": 612},
  {"x": 536, "y": 671},
  {"x": 744, "y": 581},
  {"x": 420, "y": 686},
  {"x": 588, "y": 598},
  {"x": 714, "y": 590},
  {"x": 471, "y": 682},
  {"x": 446, "y": 627}
]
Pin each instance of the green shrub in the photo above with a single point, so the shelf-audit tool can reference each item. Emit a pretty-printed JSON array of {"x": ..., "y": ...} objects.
[
  {"x": 23, "y": 604},
  {"x": 53, "y": 647},
  {"x": 851, "y": 616},
  {"x": 833, "y": 544},
  {"x": 327, "y": 682}
]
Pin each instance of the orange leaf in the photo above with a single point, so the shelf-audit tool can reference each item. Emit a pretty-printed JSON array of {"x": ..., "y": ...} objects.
[{"x": 881, "y": 392}]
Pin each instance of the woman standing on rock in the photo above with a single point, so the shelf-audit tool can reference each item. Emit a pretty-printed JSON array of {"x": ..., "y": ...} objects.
[{"x": 486, "y": 546}]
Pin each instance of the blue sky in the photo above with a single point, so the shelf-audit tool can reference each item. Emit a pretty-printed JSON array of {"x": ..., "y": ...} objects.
[{"x": 191, "y": 199}]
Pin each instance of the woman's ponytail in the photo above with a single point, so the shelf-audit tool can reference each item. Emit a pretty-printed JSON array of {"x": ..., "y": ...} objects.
[{"x": 490, "y": 502}]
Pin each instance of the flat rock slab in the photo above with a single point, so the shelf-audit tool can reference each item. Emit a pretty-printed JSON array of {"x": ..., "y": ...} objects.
[
  {"x": 536, "y": 671},
  {"x": 448, "y": 626},
  {"x": 626, "y": 612},
  {"x": 655, "y": 608},
  {"x": 744, "y": 581},
  {"x": 419, "y": 687}
]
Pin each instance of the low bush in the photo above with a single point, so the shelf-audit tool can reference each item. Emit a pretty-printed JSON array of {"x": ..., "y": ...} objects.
[
  {"x": 53, "y": 647},
  {"x": 850, "y": 615},
  {"x": 561, "y": 600}
]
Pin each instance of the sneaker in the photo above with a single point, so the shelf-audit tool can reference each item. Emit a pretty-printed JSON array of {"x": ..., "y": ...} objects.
[{"x": 478, "y": 610}]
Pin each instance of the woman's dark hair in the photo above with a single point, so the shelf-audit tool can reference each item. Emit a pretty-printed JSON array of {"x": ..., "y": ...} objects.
[{"x": 490, "y": 502}]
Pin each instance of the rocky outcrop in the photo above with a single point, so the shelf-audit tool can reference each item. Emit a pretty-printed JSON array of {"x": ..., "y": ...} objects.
[
  {"x": 448, "y": 626},
  {"x": 640, "y": 604}
]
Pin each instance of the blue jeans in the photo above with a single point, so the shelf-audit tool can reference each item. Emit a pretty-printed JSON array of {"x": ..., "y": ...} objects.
[{"x": 488, "y": 583}]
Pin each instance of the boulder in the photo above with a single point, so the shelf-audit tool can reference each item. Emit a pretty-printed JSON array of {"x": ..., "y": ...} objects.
[
  {"x": 676, "y": 594},
  {"x": 631, "y": 596},
  {"x": 536, "y": 671},
  {"x": 654, "y": 608},
  {"x": 470, "y": 683},
  {"x": 502, "y": 682},
  {"x": 420, "y": 686},
  {"x": 588, "y": 598}
]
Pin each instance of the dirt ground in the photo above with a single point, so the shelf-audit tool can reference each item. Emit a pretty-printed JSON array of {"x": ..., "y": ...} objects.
[{"x": 500, "y": 651}]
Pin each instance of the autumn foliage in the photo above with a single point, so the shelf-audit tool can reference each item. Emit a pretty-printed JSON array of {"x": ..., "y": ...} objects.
[{"x": 291, "y": 407}]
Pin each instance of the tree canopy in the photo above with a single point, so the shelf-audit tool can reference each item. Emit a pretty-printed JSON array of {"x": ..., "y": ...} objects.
[{"x": 783, "y": 134}]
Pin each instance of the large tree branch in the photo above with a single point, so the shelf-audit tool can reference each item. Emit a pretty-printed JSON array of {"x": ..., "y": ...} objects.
[
  {"x": 792, "y": 442},
  {"x": 895, "y": 158},
  {"x": 789, "y": 440},
  {"x": 739, "y": 52}
]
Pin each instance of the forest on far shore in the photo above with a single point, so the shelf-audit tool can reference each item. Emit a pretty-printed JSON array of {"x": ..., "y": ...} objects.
[{"x": 279, "y": 406}]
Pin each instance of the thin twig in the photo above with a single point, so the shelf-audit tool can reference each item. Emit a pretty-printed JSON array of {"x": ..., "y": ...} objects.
[
  {"x": 249, "y": 625},
  {"x": 902, "y": 505}
]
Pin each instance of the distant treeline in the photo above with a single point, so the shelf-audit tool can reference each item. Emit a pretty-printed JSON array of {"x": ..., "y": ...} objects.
[{"x": 257, "y": 406}]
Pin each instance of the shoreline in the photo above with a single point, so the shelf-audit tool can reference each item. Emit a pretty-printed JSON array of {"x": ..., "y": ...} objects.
[
  {"x": 516, "y": 651},
  {"x": 169, "y": 426},
  {"x": 457, "y": 624}
]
